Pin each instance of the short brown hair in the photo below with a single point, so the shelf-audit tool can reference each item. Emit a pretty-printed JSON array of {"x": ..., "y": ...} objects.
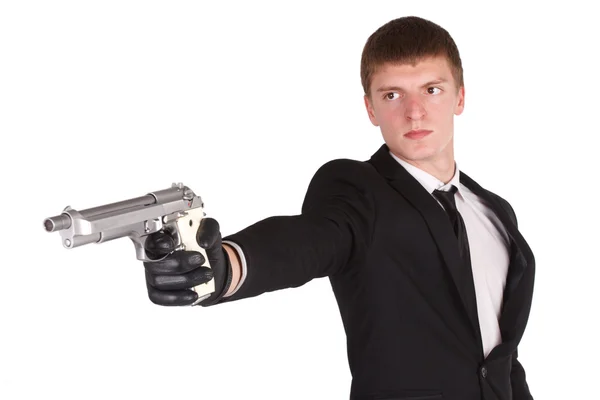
[{"x": 408, "y": 40}]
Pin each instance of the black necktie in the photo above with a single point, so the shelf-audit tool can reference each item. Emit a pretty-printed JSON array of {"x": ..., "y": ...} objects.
[
  {"x": 467, "y": 285},
  {"x": 449, "y": 203}
]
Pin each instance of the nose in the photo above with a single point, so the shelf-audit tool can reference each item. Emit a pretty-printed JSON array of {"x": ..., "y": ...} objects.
[{"x": 414, "y": 109}]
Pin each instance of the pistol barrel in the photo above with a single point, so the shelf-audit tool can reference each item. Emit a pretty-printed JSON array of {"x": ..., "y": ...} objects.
[
  {"x": 118, "y": 206},
  {"x": 57, "y": 223},
  {"x": 63, "y": 221}
]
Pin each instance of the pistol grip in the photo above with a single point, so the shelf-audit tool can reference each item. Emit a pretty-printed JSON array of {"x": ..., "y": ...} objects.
[{"x": 188, "y": 227}]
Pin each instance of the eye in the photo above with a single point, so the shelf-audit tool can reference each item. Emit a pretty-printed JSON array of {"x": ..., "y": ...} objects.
[
  {"x": 432, "y": 90},
  {"x": 391, "y": 96}
]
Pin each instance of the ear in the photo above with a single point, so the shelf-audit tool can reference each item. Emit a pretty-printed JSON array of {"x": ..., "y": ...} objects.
[
  {"x": 460, "y": 104},
  {"x": 370, "y": 110}
]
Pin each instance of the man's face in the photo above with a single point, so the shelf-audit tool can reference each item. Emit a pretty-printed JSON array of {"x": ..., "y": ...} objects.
[{"x": 424, "y": 97}]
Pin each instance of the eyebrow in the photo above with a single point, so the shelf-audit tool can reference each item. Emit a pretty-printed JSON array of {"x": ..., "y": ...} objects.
[{"x": 430, "y": 83}]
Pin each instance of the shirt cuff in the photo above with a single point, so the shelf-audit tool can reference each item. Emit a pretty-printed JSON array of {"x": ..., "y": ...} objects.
[{"x": 244, "y": 265}]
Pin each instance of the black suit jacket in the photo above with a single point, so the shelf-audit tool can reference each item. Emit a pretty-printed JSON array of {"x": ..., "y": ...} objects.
[{"x": 392, "y": 259}]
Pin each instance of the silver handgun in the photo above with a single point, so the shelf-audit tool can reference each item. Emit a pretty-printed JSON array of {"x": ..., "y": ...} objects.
[{"x": 176, "y": 210}]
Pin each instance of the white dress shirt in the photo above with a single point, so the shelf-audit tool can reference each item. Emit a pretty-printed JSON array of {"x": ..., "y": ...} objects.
[{"x": 489, "y": 244}]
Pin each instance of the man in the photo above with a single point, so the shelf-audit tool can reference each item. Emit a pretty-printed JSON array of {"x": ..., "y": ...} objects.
[{"x": 432, "y": 278}]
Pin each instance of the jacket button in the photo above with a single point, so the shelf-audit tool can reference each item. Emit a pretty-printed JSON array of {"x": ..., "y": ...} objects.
[{"x": 484, "y": 372}]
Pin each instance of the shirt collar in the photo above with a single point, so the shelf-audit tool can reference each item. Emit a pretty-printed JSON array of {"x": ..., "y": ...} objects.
[{"x": 428, "y": 181}]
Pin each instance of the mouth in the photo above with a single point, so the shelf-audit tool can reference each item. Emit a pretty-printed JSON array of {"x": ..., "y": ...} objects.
[{"x": 417, "y": 134}]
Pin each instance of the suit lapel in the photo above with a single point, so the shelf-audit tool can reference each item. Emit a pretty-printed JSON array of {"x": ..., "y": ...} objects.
[
  {"x": 519, "y": 280},
  {"x": 439, "y": 226}
]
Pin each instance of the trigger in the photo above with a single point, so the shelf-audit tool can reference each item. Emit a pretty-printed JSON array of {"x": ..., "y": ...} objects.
[{"x": 152, "y": 225}]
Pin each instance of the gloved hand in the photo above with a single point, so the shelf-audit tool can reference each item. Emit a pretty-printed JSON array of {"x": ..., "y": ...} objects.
[{"x": 170, "y": 279}]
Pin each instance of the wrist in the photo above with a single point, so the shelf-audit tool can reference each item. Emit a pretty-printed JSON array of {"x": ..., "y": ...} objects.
[{"x": 234, "y": 268}]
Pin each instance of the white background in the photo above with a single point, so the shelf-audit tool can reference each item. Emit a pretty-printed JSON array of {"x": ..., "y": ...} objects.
[{"x": 104, "y": 101}]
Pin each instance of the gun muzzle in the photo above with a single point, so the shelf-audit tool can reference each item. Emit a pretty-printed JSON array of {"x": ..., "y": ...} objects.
[{"x": 57, "y": 223}]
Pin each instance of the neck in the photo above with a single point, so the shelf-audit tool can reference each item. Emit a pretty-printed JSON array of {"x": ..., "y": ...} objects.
[{"x": 443, "y": 168}]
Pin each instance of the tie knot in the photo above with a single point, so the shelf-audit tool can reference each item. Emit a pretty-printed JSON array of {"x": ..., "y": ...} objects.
[{"x": 447, "y": 198}]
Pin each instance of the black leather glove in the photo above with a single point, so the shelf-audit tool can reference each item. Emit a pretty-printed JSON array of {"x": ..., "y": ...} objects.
[{"x": 170, "y": 279}]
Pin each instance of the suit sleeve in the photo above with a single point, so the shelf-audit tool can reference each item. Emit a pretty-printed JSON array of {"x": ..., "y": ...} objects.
[
  {"x": 520, "y": 389},
  {"x": 333, "y": 228}
]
